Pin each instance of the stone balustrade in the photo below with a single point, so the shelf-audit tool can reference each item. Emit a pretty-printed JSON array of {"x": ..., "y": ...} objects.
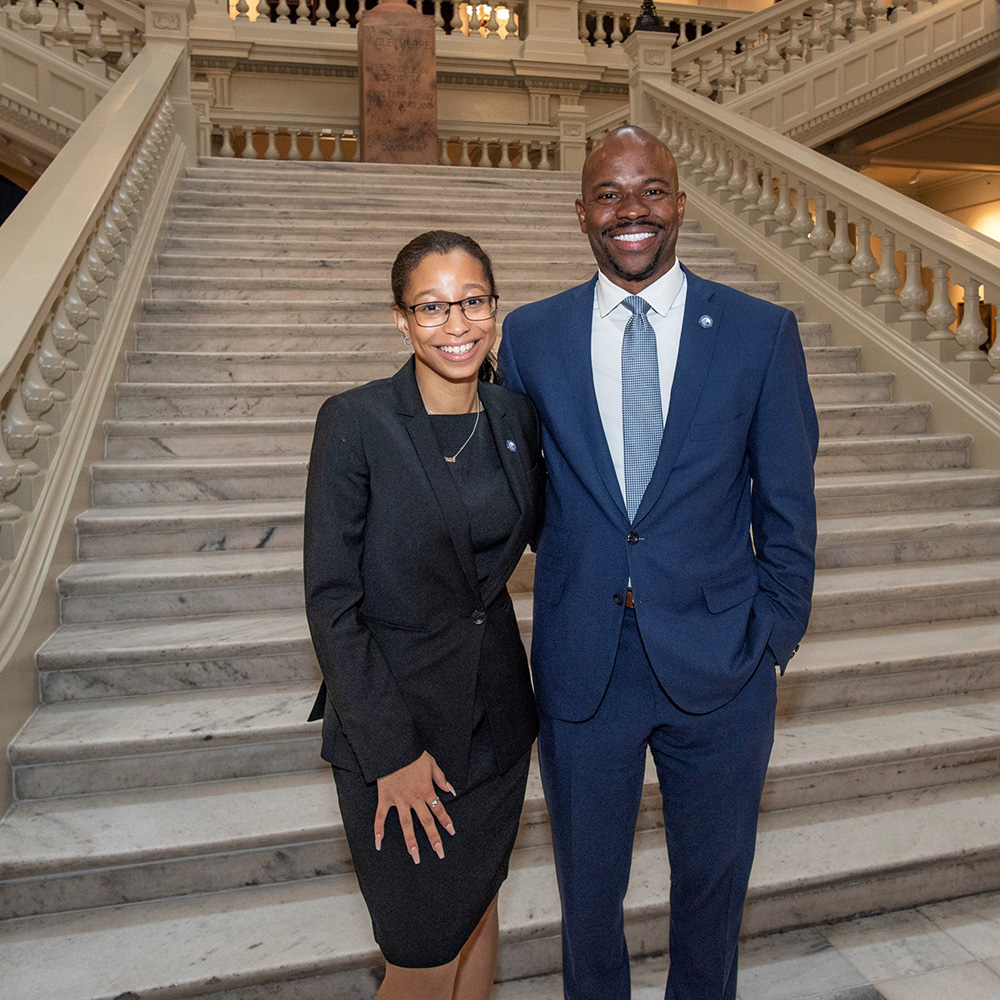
[
  {"x": 524, "y": 148},
  {"x": 780, "y": 39},
  {"x": 102, "y": 35},
  {"x": 69, "y": 283},
  {"x": 915, "y": 271},
  {"x": 610, "y": 23},
  {"x": 306, "y": 140}
]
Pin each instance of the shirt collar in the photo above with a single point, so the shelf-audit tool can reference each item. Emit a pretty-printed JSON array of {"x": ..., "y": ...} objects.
[{"x": 660, "y": 295}]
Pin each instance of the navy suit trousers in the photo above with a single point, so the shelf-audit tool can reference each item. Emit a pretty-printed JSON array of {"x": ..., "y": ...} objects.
[{"x": 711, "y": 771}]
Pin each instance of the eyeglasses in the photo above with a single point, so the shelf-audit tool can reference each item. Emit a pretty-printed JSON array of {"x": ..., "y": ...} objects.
[{"x": 476, "y": 307}]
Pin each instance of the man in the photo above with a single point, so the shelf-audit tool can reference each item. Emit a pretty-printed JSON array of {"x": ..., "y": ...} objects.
[{"x": 674, "y": 570}]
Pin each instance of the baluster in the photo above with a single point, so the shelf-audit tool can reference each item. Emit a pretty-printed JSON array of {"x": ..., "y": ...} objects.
[
  {"x": 724, "y": 170},
  {"x": 584, "y": 30},
  {"x": 21, "y": 433},
  {"x": 242, "y": 10},
  {"x": 226, "y": 149},
  {"x": 971, "y": 332},
  {"x": 802, "y": 223},
  {"x": 316, "y": 153},
  {"x": 283, "y": 10},
  {"x": 674, "y": 142},
  {"x": 711, "y": 162},
  {"x": 360, "y": 14},
  {"x": 738, "y": 178},
  {"x": 838, "y": 26},
  {"x": 684, "y": 153},
  {"x": 913, "y": 295},
  {"x": 493, "y": 25},
  {"x": 51, "y": 362},
  {"x": 10, "y": 479},
  {"x": 544, "y": 163},
  {"x": 793, "y": 47},
  {"x": 37, "y": 396},
  {"x": 940, "y": 313},
  {"x": 841, "y": 249},
  {"x": 879, "y": 15},
  {"x": 817, "y": 36},
  {"x": 504, "y": 154},
  {"x": 61, "y": 30},
  {"x": 822, "y": 235},
  {"x": 664, "y": 133},
  {"x": 271, "y": 153},
  {"x": 325, "y": 14},
  {"x": 524, "y": 163},
  {"x": 438, "y": 16},
  {"x": 616, "y": 31},
  {"x": 29, "y": 13},
  {"x": 95, "y": 44},
  {"x": 511, "y": 27},
  {"x": 703, "y": 86},
  {"x": 263, "y": 11},
  {"x": 772, "y": 57},
  {"x": 857, "y": 20},
  {"x": 294, "y": 153},
  {"x": 751, "y": 69},
  {"x": 887, "y": 277},
  {"x": 465, "y": 160},
  {"x": 338, "y": 149},
  {"x": 697, "y": 155},
  {"x": 127, "y": 53},
  {"x": 768, "y": 201},
  {"x": 751, "y": 190},
  {"x": 727, "y": 79},
  {"x": 249, "y": 153},
  {"x": 864, "y": 262},
  {"x": 444, "y": 160}
]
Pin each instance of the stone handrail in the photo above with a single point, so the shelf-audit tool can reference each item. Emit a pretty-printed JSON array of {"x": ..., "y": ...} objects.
[
  {"x": 847, "y": 233},
  {"x": 697, "y": 21},
  {"x": 526, "y": 147}
]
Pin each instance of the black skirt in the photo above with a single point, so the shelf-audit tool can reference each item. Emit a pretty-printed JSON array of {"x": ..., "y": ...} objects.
[{"x": 423, "y": 914}]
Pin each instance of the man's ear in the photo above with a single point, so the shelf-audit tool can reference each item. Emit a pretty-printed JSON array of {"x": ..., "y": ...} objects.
[
  {"x": 681, "y": 202},
  {"x": 581, "y": 214}
]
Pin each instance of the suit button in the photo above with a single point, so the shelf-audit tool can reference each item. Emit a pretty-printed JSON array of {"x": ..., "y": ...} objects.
[
  {"x": 478, "y": 616},
  {"x": 794, "y": 651},
  {"x": 633, "y": 538},
  {"x": 618, "y": 599}
]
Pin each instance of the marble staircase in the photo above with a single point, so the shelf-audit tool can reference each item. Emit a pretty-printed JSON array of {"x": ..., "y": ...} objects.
[{"x": 175, "y": 833}]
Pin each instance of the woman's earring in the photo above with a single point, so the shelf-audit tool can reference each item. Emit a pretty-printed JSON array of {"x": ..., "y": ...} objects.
[{"x": 406, "y": 340}]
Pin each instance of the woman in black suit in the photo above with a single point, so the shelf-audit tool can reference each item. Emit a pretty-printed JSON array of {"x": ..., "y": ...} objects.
[{"x": 424, "y": 490}]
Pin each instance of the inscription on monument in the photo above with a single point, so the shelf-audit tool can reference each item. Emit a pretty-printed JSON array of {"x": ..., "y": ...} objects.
[{"x": 398, "y": 78}]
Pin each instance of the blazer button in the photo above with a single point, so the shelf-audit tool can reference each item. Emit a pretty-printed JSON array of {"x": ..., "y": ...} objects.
[
  {"x": 618, "y": 599},
  {"x": 478, "y": 616},
  {"x": 633, "y": 538}
]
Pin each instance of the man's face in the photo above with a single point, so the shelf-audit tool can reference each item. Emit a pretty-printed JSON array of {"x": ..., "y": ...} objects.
[{"x": 630, "y": 208}]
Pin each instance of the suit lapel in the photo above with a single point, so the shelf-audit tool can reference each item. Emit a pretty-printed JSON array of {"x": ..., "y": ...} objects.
[
  {"x": 575, "y": 336},
  {"x": 411, "y": 408},
  {"x": 698, "y": 340}
]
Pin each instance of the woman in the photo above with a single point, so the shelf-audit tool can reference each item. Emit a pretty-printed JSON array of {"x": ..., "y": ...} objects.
[{"x": 423, "y": 491}]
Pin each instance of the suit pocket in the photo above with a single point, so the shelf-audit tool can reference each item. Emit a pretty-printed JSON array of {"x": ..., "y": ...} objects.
[
  {"x": 721, "y": 428},
  {"x": 725, "y": 592},
  {"x": 385, "y": 623}
]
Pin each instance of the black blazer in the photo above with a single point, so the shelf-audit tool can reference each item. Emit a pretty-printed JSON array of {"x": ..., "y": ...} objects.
[{"x": 402, "y": 629}]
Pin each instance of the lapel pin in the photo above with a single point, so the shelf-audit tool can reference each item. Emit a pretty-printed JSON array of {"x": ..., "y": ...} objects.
[
  {"x": 510, "y": 445},
  {"x": 705, "y": 321}
]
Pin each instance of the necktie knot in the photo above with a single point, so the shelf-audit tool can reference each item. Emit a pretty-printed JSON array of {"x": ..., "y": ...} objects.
[{"x": 636, "y": 305}]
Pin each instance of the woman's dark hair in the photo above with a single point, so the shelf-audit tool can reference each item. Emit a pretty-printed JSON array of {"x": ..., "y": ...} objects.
[{"x": 442, "y": 241}]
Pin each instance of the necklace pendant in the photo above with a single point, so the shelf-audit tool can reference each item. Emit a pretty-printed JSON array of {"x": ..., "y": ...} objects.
[{"x": 450, "y": 459}]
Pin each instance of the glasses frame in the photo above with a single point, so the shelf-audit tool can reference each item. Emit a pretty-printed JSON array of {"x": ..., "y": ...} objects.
[{"x": 494, "y": 299}]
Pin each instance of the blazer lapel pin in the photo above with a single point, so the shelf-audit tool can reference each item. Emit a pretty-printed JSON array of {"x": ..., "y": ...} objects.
[
  {"x": 510, "y": 445},
  {"x": 705, "y": 321}
]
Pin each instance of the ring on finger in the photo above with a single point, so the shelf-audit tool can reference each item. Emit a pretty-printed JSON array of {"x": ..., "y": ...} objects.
[{"x": 434, "y": 803}]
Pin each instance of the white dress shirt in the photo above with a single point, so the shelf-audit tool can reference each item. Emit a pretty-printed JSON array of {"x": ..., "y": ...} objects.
[{"x": 666, "y": 297}]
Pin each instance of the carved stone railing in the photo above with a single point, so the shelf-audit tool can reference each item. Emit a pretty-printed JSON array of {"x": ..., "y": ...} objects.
[
  {"x": 610, "y": 23},
  {"x": 868, "y": 252},
  {"x": 277, "y": 137},
  {"x": 524, "y": 147}
]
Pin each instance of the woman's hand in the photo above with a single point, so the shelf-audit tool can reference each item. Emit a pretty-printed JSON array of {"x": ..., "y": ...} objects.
[{"x": 411, "y": 789}]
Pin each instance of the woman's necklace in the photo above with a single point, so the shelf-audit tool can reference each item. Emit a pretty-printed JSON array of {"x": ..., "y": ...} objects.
[{"x": 479, "y": 409}]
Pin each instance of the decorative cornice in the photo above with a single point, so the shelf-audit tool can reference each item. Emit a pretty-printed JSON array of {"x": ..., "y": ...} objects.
[
  {"x": 608, "y": 89},
  {"x": 480, "y": 80},
  {"x": 882, "y": 94},
  {"x": 34, "y": 122},
  {"x": 201, "y": 63}
]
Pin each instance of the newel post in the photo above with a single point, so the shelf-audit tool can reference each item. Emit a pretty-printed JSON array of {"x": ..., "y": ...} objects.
[
  {"x": 649, "y": 59},
  {"x": 571, "y": 120},
  {"x": 168, "y": 20}
]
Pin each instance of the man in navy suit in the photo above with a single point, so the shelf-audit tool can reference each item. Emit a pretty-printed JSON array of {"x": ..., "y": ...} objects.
[{"x": 674, "y": 570}]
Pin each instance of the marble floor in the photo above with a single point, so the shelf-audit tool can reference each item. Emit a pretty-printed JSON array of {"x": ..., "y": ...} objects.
[{"x": 945, "y": 951}]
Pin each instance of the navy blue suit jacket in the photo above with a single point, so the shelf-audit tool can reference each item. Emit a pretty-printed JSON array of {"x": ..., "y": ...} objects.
[{"x": 737, "y": 453}]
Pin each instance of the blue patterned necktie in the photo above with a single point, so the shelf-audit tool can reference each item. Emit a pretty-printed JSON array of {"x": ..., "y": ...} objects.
[{"x": 642, "y": 409}]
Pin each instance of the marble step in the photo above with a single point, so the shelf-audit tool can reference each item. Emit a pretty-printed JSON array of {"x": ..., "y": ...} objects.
[
  {"x": 889, "y": 453},
  {"x": 499, "y": 246},
  {"x": 292, "y": 366},
  {"x": 137, "y": 704},
  {"x": 108, "y": 848},
  {"x": 925, "y": 489},
  {"x": 354, "y": 227},
  {"x": 313, "y": 934},
  {"x": 840, "y": 420},
  {"x": 357, "y": 292},
  {"x": 506, "y": 265},
  {"x": 851, "y": 593},
  {"x": 330, "y": 337}
]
